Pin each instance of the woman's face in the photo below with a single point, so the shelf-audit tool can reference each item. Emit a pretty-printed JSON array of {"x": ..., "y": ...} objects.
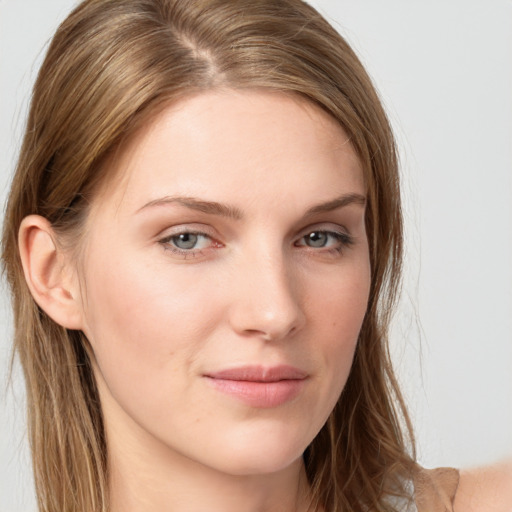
[{"x": 226, "y": 277}]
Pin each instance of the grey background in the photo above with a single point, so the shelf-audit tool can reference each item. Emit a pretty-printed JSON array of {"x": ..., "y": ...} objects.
[{"x": 444, "y": 71}]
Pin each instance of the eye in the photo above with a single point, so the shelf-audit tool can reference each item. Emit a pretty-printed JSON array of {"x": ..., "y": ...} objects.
[
  {"x": 319, "y": 239},
  {"x": 187, "y": 243}
]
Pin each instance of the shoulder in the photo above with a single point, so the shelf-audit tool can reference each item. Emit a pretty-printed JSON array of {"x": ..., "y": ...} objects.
[
  {"x": 486, "y": 488},
  {"x": 435, "y": 489}
]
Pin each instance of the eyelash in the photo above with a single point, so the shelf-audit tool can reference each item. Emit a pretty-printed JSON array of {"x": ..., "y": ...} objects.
[
  {"x": 344, "y": 242},
  {"x": 185, "y": 253}
]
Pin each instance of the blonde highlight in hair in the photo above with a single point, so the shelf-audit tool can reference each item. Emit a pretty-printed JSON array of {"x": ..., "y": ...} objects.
[{"x": 112, "y": 66}]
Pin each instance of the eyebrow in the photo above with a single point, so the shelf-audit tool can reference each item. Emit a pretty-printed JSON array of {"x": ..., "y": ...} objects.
[
  {"x": 339, "y": 202},
  {"x": 232, "y": 212},
  {"x": 210, "y": 207}
]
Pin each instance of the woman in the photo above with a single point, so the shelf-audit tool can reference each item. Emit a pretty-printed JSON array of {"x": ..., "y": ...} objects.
[{"x": 203, "y": 240}]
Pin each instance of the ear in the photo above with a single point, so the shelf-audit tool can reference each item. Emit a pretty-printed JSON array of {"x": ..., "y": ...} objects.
[{"x": 51, "y": 279}]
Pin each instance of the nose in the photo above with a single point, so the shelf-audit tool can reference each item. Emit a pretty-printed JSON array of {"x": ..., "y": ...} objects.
[{"x": 266, "y": 301}]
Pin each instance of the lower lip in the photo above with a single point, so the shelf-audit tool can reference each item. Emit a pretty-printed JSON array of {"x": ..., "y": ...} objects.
[{"x": 259, "y": 394}]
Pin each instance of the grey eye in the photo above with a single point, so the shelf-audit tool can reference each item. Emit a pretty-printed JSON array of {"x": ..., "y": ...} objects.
[
  {"x": 316, "y": 239},
  {"x": 185, "y": 240}
]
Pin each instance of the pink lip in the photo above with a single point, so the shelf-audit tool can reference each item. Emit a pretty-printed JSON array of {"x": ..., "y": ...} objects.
[{"x": 259, "y": 386}]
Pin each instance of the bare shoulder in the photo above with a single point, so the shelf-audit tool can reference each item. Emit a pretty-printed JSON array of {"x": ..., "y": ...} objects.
[{"x": 485, "y": 489}]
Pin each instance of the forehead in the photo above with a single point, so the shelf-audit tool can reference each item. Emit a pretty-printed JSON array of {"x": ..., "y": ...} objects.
[{"x": 220, "y": 145}]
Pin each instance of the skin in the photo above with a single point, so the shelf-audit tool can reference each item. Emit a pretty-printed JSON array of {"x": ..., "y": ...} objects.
[
  {"x": 258, "y": 287},
  {"x": 253, "y": 289},
  {"x": 486, "y": 488}
]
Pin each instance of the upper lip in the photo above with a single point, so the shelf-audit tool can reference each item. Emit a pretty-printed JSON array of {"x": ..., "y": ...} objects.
[{"x": 254, "y": 373}]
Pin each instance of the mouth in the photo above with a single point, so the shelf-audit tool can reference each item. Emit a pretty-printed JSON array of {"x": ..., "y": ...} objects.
[{"x": 259, "y": 386}]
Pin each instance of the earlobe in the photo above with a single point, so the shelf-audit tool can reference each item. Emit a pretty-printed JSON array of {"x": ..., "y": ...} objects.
[{"x": 47, "y": 274}]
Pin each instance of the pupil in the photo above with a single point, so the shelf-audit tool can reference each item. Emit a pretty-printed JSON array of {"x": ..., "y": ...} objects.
[
  {"x": 185, "y": 241},
  {"x": 317, "y": 239}
]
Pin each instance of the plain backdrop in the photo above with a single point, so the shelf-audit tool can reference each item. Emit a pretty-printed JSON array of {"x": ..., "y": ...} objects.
[{"x": 444, "y": 71}]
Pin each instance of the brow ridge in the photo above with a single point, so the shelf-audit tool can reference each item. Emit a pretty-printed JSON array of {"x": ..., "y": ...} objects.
[
  {"x": 215, "y": 208},
  {"x": 338, "y": 202},
  {"x": 209, "y": 207}
]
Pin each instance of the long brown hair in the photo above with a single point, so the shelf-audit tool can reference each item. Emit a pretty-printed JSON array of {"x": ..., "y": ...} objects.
[{"x": 112, "y": 65}]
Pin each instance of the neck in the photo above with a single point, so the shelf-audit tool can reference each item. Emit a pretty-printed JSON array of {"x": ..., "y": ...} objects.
[
  {"x": 172, "y": 482},
  {"x": 146, "y": 476}
]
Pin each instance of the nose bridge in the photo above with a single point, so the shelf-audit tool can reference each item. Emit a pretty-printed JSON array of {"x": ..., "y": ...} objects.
[{"x": 267, "y": 301}]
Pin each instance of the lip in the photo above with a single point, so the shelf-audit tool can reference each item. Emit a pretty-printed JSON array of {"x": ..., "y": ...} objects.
[{"x": 259, "y": 386}]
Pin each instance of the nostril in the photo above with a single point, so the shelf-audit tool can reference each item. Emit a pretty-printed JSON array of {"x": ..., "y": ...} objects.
[{"x": 271, "y": 334}]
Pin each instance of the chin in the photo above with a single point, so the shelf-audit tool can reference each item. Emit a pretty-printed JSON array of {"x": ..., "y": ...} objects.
[
  {"x": 267, "y": 452},
  {"x": 261, "y": 464}
]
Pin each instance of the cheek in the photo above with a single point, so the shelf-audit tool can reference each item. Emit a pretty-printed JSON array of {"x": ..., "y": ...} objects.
[
  {"x": 143, "y": 325},
  {"x": 338, "y": 309},
  {"x": 148, "y": 328},
  {"x": 340, "y": 303}
]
